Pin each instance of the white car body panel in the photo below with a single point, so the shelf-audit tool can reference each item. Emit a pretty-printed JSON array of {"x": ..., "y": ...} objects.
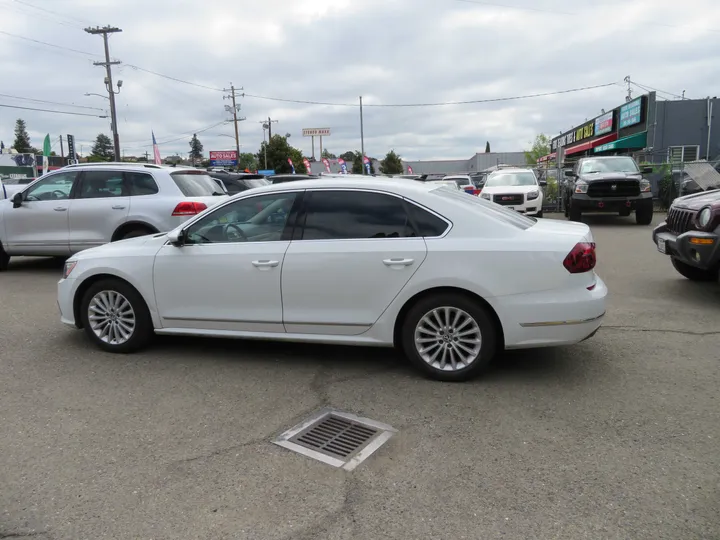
[
  {"x": 36, "y": 228},
  {"x": 86, "y": 230},
  {"x": 334, "y": 291}
]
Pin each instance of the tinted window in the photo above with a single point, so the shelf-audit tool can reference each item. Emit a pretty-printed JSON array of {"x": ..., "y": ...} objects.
[
  {"x": 101, "y": 185},
  {"x": 425, "y": 223},
  {"x": 52, "y": 188},
  {"x": 354, "y": 214},
  {"x": 141, "y": 183},
  {"x": 479, "y": 204},
  {"x": 255, "y": 219},
  {"x": 196, "y": 184}
]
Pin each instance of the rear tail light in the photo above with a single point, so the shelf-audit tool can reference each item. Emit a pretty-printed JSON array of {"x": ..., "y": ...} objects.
[
  {"x": 189, "y": 208},
  {"x": 581, "y": 258},
  {"x": 476, "y": 192}
]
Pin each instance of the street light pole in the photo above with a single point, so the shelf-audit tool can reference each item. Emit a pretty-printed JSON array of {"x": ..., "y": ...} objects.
[
  {"x": 109, "y": 82},
  {"x": 362, "y": 138}
]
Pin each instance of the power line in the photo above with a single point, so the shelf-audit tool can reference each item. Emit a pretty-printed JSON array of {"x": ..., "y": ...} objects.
[
  {"x": 49, "y": 44},
  {"x": 651, "y": 89},
  {"x": 37, "y": 16},
  {"x": 202, "y": 130},
  {"x": 50, "y": 111},
  {"x": 440, "y": 104},
  {"x": 138, "y": 68},
  {"x": 55, "y": 13},
  {"x": 51, "y": 102}
]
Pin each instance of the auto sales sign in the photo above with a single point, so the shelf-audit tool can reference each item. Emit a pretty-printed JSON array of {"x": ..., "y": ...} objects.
[{"x": 227, "y": 158}]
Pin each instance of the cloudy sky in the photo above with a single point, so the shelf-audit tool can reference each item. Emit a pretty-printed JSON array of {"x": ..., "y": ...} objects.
[{"x": 332, "y": 51}]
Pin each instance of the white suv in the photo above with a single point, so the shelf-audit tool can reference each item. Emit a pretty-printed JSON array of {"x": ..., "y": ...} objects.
[
  {"x": 87, "y": 205},
  {"x": 515, "y": 188}
]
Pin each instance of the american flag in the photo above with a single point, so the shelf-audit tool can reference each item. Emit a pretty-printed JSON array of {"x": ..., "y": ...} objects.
[{"x": 156, "y": 151}]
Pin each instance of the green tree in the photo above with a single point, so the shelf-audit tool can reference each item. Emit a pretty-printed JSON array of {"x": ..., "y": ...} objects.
[
  {"x": 246, "y": 160},
  {"x": 328, "y": 155},
  {"x": 102, "y": 150},
  {"x": 278, "y": 151},
  {"x": 196, "y": 149},
  {"x": 357, "y": 164},
  {"x": 487, "y": 147},
  {"x": 391, "y": 164},
  {"x": 22, "y": 139},
  {"x": 540, "y": 148},
  {"x": 348, "y": 156}
]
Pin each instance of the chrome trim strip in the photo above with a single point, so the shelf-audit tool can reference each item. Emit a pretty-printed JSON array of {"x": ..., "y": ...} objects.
[
  {"x": 561, "y": 323},
  {"x": 241, "y": 321}
]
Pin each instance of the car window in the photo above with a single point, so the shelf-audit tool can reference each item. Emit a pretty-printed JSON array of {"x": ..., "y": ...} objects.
[
  {"x": 425, "y": 223},
  {"x": 525, "y": 178},
  {"x": 477, "y": 203},
  {"x": 335, "y": 215},
  {"x": 141, "y": 183},
  {"x": 254, "y": 219},
  {"x": 53, "y": 188},
  {"x": 616, "y": 164},
  {"x": 101, "y": 185},
  {"x": 196, "y": 184}
]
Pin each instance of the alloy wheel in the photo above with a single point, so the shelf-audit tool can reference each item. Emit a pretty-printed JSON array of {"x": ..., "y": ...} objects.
[
  {"x": 111, "y": 317},
  {"x": 448, "y": 338}
]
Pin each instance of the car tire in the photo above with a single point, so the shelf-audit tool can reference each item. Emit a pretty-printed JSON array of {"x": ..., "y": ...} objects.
[
  {"x": 574, "y": 213},
  {"x": 466, "y": 345},
  {"x": 134, "y": 233},
  {"x": 539, "y": 214},
  {"x": 4, "y": 259},
  {"x": 644, "y": 215},
  {"x": 693, "y": 273},
  {"x": 129, "y": 333}
]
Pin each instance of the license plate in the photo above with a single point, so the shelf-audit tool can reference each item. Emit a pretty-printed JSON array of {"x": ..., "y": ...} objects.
[{"x": 661, "y": 245}]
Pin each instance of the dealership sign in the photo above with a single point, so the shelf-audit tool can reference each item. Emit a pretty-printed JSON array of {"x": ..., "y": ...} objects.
[
  {"x": 316, "y": 132},
  {"x": 227, "y": 158},
  {"x": 604, "y": 123},
  {"x": 630, "y": 113}
]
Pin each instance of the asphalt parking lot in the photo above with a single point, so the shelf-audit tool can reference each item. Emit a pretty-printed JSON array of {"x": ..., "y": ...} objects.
[{"x": 615, "y": 438}]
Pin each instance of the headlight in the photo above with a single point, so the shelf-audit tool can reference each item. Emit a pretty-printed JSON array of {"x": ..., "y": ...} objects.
[
  {"x": 703, "y": 218},
  {"x": 485, "y": 196},
  {"x": 532, "y": 195},
  {"x": 69, "y": 265},
  {"x": 645, "y": 185},
  {"x": 581, "y": 186}
]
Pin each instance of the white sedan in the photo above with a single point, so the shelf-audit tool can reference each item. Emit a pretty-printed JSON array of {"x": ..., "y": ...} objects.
[{"x": 449, "y": 279}]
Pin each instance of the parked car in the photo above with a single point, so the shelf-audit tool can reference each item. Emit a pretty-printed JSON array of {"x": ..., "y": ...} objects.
[
  {"x": 608, "y": 184},
  {"x": 515, "y": 188},
  {"x": 280, "y": 178},
  {"x": 447, "y": 183},
  {"x": 238, "y": 182},
  {"x": 478, "y": 179},
  {"x": 83, "y": 206},
  {"x": 449, "y": 279},
  {"x": 690, "y": 235},
  {"x": 464, "y": 183}
]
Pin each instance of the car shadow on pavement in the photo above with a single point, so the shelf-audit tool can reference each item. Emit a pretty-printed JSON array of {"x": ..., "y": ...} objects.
[{"x": 37, "y": 265}]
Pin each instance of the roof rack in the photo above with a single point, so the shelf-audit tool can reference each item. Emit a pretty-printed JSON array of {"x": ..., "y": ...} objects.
[{"x": 114, "y": 164}]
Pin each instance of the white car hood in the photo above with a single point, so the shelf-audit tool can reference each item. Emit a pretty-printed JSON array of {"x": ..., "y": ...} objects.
[
  {"x": 132, "y": 246},
  {"x": 509, "y": 189}
]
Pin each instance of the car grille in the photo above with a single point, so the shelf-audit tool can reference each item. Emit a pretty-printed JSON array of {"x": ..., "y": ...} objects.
[
  {"x": 622, "y": 188},
  {"x": 509, "y": 198},
  {"x": 680, "y": 221}
]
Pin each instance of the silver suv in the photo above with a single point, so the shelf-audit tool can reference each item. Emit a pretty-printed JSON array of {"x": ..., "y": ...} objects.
[{"x": 87, "y": 205}]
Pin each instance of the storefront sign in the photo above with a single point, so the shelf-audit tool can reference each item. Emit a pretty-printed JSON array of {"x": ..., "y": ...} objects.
[
  {"x": 630, "y": 113},
  {"x": 584, "y": 132},
  {"x": 604, "y": 123},
  {"x": 563, "y": 140}
]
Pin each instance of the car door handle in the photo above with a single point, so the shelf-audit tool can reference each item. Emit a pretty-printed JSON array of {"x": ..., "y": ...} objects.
[
  {"x": 60, "y": 208},
  {"x": 398, "y": 262},
  {"x": 118, "y": 207},
  {"x": 265, "y": 264}
]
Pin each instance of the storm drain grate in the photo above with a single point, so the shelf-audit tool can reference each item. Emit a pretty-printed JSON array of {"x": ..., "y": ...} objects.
[{"x": 336, "y": 438}]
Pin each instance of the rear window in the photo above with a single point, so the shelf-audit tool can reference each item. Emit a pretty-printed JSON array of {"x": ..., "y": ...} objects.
[
  {"x": 196, "y": 184},
  {"x": 141, "y": 183},
  {"x": 460, "y": 181},
  {"x": 477, "y": 203},
  {"x": 255, "y": 182}
]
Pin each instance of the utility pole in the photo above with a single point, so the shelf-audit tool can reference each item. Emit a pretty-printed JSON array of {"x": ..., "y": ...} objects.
[
  {"x": 234, "y": 110},
  {"x": 147, "y": 156},
  {"x": 62, "y": 150},
  {"x": 362, "y": 138},
  {"x": 629, "y": 89},
  {"x": 104, "y": 31},
  {"x": 267, "y": 126}
]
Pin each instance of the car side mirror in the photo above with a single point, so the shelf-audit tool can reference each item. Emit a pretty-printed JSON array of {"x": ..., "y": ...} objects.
[
  {"x": 176, "y": 237},
  {"x": 17, "y": 200},
  {"x": 543, "y": 183},
  {"x": 646, "y": 170},
  {"x": 570, "y": 174}
]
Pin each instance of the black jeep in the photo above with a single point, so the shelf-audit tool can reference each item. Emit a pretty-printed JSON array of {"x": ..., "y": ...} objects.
[{"x": 608, "y": 184}]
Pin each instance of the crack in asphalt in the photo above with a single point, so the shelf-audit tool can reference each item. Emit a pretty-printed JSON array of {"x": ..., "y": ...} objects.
[{"x": 666, "y": 331}]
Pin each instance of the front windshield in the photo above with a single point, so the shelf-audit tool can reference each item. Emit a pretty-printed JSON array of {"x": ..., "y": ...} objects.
[
  {"x": 525, "y": 178},
  {"x": 619, "y": 164},
  {"x": 460, "y": 181}
]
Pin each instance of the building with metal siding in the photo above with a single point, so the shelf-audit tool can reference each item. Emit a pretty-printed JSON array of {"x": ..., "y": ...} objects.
[{"x": 478, "y": 162}]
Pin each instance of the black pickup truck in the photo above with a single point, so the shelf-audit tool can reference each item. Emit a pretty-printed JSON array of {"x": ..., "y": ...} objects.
[
  {"x": 691, "y": 235},
  {"x": 608, "y": 184}
]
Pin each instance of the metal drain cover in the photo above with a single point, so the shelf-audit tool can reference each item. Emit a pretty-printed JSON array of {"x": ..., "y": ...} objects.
[{"x": 337, "y": 438}]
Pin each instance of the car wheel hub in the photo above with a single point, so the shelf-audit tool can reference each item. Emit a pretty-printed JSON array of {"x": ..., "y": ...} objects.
[
  {"x": 111, "y": 317},
  {"x": 448, "y": 338}
]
